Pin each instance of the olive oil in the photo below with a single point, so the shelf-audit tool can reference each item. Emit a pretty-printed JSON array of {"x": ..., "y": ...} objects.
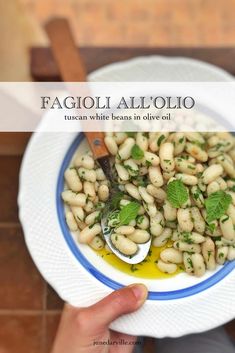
[{"x": 146, "y": 269}]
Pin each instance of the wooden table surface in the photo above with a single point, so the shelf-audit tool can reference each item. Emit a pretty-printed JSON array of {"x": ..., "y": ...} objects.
[{"x": 29, "y": 309}]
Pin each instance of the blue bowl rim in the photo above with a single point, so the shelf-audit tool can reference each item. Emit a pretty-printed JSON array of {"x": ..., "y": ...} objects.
[{"x": 166, "y": 295}]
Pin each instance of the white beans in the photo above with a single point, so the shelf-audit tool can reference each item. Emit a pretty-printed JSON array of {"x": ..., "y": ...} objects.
[
  {"x": 155, "y": 176},
  {"x": 125, "y": 149},
  {"x": 87, "y": 174},
  {"x": 171, "y": 255},
  {"x": 166, "y": 155},
  {"x": 103, "y": 192},
  {"x": 111, "y": 145},
  {"x": 143, "y": 165},
  {"x": 72, "y": 179},
  {"x": 145, "y": 195},
  {"x": 166, "y": 268},
  {"x": 185, "y": 220},
  {"x": 211, "y": 173},
  {"x": 73, "y": 198},
  {"x": 123, "y": 244},
  {"x": 71, "y": 221},
  {"x": 198, "y": 265},
  {"x": 88, "y": 233},
  {"x": 226, "y": 226},
  {"x": 139, "y": 236},
  {"x": 133, "y": 191}
]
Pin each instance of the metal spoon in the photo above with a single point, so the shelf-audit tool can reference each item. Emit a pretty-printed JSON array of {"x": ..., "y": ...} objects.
[{"x": 72, "y": 69}]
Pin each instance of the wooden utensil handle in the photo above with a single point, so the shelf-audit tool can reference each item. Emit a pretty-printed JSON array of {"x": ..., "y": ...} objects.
[
  {"x": 72, "y": 69},
  {"x": 96, "y": 143}
]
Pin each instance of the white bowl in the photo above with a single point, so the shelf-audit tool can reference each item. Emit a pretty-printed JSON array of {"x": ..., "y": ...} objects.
[{"x": 175, "y": 306}]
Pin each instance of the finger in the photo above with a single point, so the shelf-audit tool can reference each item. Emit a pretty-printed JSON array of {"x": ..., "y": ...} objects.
[{"x": 120, "y": 302}]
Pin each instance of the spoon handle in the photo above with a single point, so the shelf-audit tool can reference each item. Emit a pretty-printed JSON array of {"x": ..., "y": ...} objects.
[{"x": 72, "y": 69}]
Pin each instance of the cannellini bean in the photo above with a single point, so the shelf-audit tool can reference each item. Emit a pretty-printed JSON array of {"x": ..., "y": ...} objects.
[
  {"x": 166, "y": 268},
  {"x": 120, "y": 137},
  {"x": 162, "y": 239},
  {"x": 72, "y": 179},
  {"x": 89, "y": 206},
  {"x": 208, "y": 252},
  {"x": 183, "y": 166},
  {"x": 193, "y": 237},
  {"x": 111, "y": 145},
  {"x": 226, "y": 225},
  {"x": 227, "y": 165},
  {"x": 89, "y": 190},
  {"x": 88, "y": 233},
  {"x": 92, "y": 218},
  {"x": 221, "y": 255},
  {"x": 198, "y": 265},
  {"x": 170, "y": 213},
  {"x": 187, "y": 179},
  {"x": 179, "y": 141},
  {"x": 123, "y": 244},
  {"x": 198, "y": 221},
  {"x": 139, "y": 236},
  {"x": 168, "y": 175},
  {"x": 184, "y": 219},
  {"x": 97, "y": 243},
  {"x": 74, "y": 199},
  {"x": 155, "y": 176},
  {"x": 87, "y": 174},
  {"x": 145, "y": 195},
  {"x": 103, "y": 192},
  {"x": 232, "y": 194},
  {"x": 87, "y": 162},
  {"x": 133, "y": 191},
  {"x": 231, "y": 253},
  {"x": 142, "y": 222},
  {"x": 157, "y": 224},
  {"x": 151, "y": 159},
  {"x": 188, "y": 264},
  {"x": 131, "y": 167},
  {"x": 142, "y": 141},
  {"x": 211, "y": 173},
  {"x": 197, "y": 196},
  {"x": 122, "y": 172},
  {"x": 196, "y": 152},
  {"x": 194, "y": 137},
  {"x": 70, "y": 220},
  {"x": 171, "y": 255},
  {"x": 231, "y": 212},
  {"x": 212, "y": 187},
  {"x": 125, "y": 148},
  {"x": 158, "y": 193},
  {"x": 100, "y": 176},
  {"x": 166, "y": 155},
  {"x": 78, "y": 213},
  {"x": 125, "y": 230},
  {"x": 151, "y": 209},
  {"x": 182, "y": 246}
]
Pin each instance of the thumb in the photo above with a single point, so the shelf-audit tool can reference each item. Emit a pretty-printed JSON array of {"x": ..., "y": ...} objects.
[{"x": 120, "y": 302}]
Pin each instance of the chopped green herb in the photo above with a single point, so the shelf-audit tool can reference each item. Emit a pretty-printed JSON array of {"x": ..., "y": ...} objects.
[
  {"x": 160, "y": 139},
  {"x": 224, "y": 219}
]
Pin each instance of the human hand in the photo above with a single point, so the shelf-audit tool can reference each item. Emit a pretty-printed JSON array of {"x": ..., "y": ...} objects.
[{"x": 86, "y": 330}]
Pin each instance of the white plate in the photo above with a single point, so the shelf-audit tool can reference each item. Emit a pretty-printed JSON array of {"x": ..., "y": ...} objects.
[{"x": 176, "y": 306}]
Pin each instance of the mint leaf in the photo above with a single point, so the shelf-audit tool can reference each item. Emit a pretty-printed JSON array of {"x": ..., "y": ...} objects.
[
  {"x": 137, "y": 152},
  {"x": 128, "y": 213},
  {"x": 177, "y": 193},
  {"x": 217, "y": 204}
]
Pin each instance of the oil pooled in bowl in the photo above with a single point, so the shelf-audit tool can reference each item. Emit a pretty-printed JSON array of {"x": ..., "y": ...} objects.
[{"x": 146, "y": 269}]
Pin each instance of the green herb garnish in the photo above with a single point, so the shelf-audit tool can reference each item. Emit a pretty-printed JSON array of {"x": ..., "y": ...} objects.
[
  {"x": 177, "y": 193},
  {"x": 136, "y": 152},
  {"x": 128, "y": 213},
  {"x": 217, "y": 204}
]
